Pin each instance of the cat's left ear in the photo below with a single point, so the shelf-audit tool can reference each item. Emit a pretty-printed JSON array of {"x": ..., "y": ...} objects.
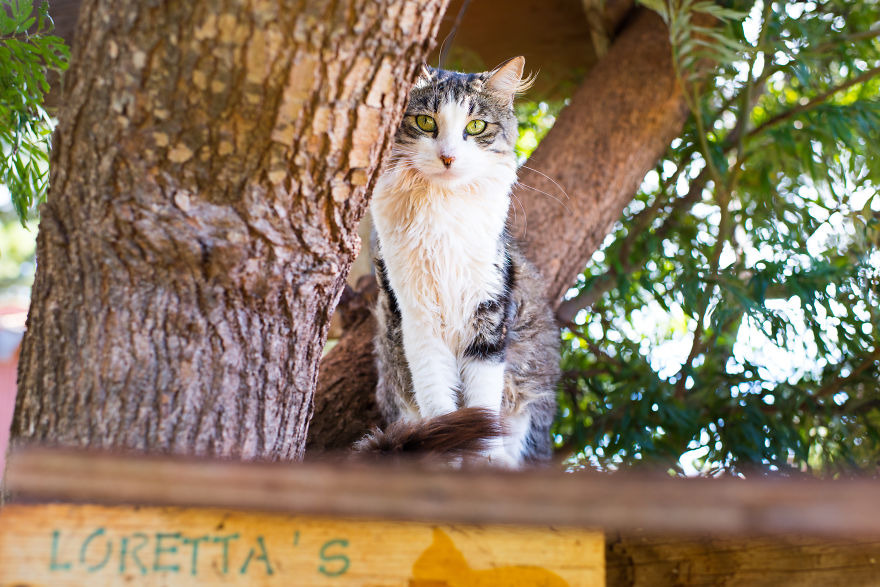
[{"x": 507, "y": 79}]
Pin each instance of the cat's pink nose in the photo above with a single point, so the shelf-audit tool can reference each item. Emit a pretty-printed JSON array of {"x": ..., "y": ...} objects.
[{"x": 447, "y": 161}]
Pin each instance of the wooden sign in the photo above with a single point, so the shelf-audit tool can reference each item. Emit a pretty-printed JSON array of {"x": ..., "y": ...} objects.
[{"x": 63, "y": 544}]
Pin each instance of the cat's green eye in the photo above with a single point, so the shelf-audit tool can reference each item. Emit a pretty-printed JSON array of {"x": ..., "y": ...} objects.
[
  {"x": 426, "y": 123},
  {"x": 475, "y": 127}
]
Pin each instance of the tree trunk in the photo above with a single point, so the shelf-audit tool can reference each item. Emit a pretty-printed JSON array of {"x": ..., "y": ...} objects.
[
  {"x": 618, "y": 124},
  {"x": 210, "y": 167}
]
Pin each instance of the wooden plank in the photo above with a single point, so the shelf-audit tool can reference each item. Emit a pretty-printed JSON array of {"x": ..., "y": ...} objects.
[
  {"x": 845, "y": 507},
  {"x": 637, "y": 560},
  {"x": 63, "y": 544}
]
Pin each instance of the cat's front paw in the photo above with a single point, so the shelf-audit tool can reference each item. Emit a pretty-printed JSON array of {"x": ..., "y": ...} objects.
[
  {"x": 498, "y": 457},
  {"x": 436, "y": 402}
]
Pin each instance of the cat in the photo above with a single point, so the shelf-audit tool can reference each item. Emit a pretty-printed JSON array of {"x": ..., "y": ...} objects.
[{"x": 463, "y": 330}]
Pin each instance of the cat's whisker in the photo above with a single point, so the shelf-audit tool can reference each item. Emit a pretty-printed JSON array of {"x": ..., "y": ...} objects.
[
  {"x": 398, "y": 151},
  {"x": 555, "y": 199},
  {"x": 406, "y": 159},
  {"x": 514, "y": 214},
  {"x": 525, "y": 216},
  {"x": 395, "y": 166},
  {"x": 549, "y": 178}
]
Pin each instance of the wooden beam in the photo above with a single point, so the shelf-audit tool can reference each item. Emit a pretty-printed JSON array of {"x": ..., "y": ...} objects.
[
  {"x": 62, "y": 544},
  {"x": 397, "y": 492},
  {"x": 637, "y": 560}
]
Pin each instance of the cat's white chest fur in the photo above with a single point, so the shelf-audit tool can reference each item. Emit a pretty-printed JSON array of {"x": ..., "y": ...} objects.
[{"x": 440, "y": 251}]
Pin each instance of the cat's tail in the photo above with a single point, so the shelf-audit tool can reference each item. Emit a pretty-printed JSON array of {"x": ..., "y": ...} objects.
[{"x": 465, "y": 432}]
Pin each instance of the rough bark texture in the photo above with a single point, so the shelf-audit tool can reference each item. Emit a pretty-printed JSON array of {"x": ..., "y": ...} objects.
[
  {"x": 618, "y": 124},
  {"x": 210, "y": 167},
  {"x": 805, "y": 561},
  {"x": 347, "y": 413}
]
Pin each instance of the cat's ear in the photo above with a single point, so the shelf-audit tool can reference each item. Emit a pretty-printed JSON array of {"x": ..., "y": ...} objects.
[
  {"x": 425, "y": 75},
  {"x": 507, "y": 79}
]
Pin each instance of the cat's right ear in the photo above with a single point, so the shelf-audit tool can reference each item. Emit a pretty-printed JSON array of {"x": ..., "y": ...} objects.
[{"x": 424, "y": 78}]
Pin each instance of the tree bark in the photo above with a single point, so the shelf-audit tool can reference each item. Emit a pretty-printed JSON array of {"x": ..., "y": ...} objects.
[
  {"x": 210, "y": 167},
  {"x": 556, "y": 39},
  {"x": 619, "y": 122}
]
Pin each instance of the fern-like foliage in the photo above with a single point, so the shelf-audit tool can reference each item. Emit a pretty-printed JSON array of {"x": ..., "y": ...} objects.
[
  {"x": 693, "y": 43},
  {"x": 731, "y": 318},
  {"x": 27, "y": 53}
]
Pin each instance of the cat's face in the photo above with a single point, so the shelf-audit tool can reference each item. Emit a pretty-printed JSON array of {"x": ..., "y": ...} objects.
[{"x": 458, "y": 127}]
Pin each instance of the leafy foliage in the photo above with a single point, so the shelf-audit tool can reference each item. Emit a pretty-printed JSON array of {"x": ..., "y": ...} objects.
[
  {"x": 27, "y": 53},
  {"x": 733, "y": 312},
  {"x": 535, "y": 120}
]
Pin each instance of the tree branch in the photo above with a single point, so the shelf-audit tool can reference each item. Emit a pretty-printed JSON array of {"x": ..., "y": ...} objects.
[
  {"x": 813, "y": 102},
  {"x": 605, "y": 282},
  {"x": 865, "y": 35},
  {"x": 839, "y": 383}
]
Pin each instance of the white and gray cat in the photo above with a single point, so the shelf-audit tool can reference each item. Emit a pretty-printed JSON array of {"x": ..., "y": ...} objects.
[{"x": 461, "y": 319}]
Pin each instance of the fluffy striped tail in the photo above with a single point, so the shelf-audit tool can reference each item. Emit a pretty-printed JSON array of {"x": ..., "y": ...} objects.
[{"x": 462, "y": 433}]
